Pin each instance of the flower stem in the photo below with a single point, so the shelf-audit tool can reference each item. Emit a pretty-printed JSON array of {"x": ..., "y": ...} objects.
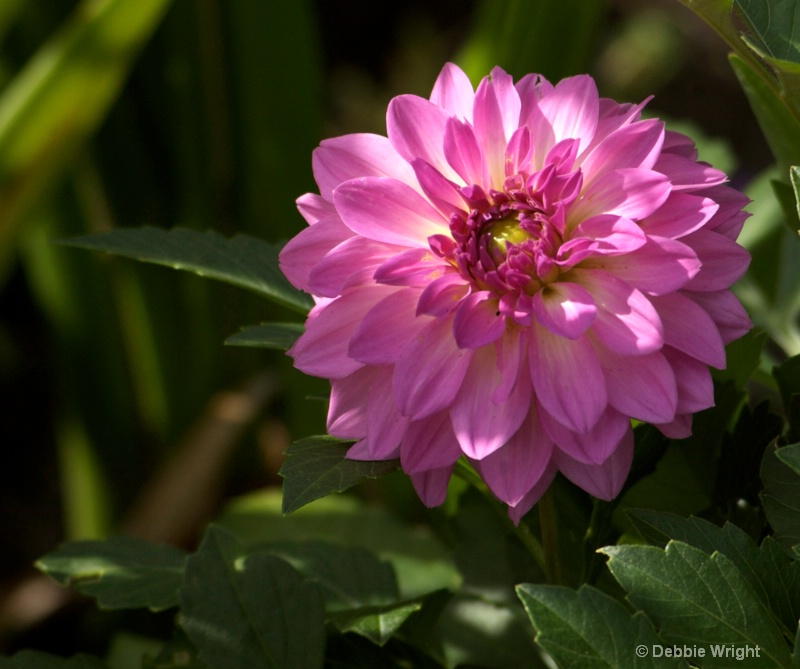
[
  {"x": 548, "y": 522},
  {"x": 521, "y": 531}
]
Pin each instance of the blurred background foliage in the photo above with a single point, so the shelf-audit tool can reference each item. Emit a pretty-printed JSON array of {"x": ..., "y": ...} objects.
[{"x": 121, "y": 408}]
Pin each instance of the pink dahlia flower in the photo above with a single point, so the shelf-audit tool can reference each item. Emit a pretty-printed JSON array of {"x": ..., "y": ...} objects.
[{"x": 512, "y": 275}]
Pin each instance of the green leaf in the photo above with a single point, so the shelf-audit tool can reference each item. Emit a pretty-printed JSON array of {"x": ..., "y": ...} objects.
[
  {"x": 697, "y": 599},
  {"x": 781, "y": 495},
  {"x": 317, "y": 466},
  {"x": 780, "y": 126},
  {"x": 587, "y": 629},
  {"x": 769, "y": 570},
  {"x": 241, "y": 260},
  {"x": 376, "y": 623},
  {"x": 349, "y": 577},
  {"x": 790, "y": 455},
  {"x": 31, "y": 659},
  {"x": 421, "y": 562},
  {"x": 776, "y": 26},
  {"x": 120, "y": 572},
  {"x": 243, "y": 611},
  {"x": 279, "y": 336},
  {"x": 476, "y": 632}
]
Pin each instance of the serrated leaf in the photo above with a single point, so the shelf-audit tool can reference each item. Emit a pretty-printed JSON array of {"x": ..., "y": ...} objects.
[
  {"x": 781, "y": 497},
  {"x": 243, "y": 611},
  {"x": 120, "y": 572},
  {"x": 698, "y": 600},
  {"x": 241, "y": 260},
  {"x": 376, "y": 623},
  {"x": 349, "y": 577},
  {"x": 769, "y": 570},
  {"x": 317, "y": 466},
  {"x": 31, "y": 659},
  {"x": 587, "y": 629},
  {"x": 278, "y": 336}
]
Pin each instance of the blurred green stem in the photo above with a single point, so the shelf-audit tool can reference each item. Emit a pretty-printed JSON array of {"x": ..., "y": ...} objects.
[
  {"x": 548, "y": 522},
  {"x": 521, "y": 531}
]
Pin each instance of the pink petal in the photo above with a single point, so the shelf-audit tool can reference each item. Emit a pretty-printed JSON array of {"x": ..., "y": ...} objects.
[
  {"x": 517, "y": 511},
  {"x": 637, "y": 145},
  {"x": 453, "y": 92},
  {"x": 385, "y": 425},
  {"x": 626, "y": 320},
  {"x": 314, "y": 208},
  {"x": 441, "y": 192},
  {"x": 463, "y": 153},
  {"x": 348, "y": 157},
  {"x": 679, "y": 144},
  {"x": 604, "y": 480},
  {"x": 686, "y": 174},
  {"x": 564, "y": 308},
  {"x": 478, "y": 321},
  {"x": 723, "y": 261},
  {"x": 429, "y": 444},
  {"x": 600, "y": 236},
  {"x": 416, "y": 129},
  {"x": 443, "y": 295},
  {"x": 351, "y": 263},
  {"x": 360, "y": 451},
  {"x": 726, "y": 311},
  {"x": 496, "y": 114},
  {"x": 680, "y": 428},
  {"x": 689, "y": 328},
  {"x": 660, "y": 266},
  {"x": 632, "y": 193},
  {"x": 431, "y": 486},
  {"x": 430, "y": 370},
  {"x": 567, "y": 379},
  {"x": 480, "y": 424},
  {"x": 680, "y": 215},
  {"x": 387, "y": 328},
  {"x": 571, "y": 109},
  {"x": 531, "y": 89},
  {"x": 302, "y": 252},
  {"x": 695, "y": 386},
  {"x": 388, "y": 211},
  {"x": 513, "y": 470},
  {"x": 594, "y": 446},
  {"x": 642, "y": 387},
  {"x": 614, "y": 116},
  {"x": 412, "y": 267},
  {"x": 731, "y": 216},
  {"x": 322, "y": 349},
  {"x": 347, "y": 411},
  {"x": 511, "y": 350}
]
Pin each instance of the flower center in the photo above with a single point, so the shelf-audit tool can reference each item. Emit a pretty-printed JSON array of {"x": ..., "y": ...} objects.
[{"x": 505, "y": 231}]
